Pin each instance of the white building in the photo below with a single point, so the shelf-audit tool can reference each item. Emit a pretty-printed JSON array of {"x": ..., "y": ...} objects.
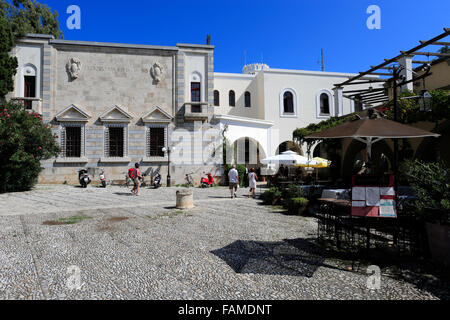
[{"x": 266, "y": 105}]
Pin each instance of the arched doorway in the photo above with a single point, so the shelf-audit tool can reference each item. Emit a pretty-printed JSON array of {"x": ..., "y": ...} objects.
[
  {"x": 248, "y": 151},
  {"x": 318, "y": 151},
  {"x": 289, "y": 146},
  {"x": 430, "y": 149}
]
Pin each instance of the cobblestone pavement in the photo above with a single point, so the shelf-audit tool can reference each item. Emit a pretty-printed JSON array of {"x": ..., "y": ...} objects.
[{"x": 143, "y": 248}]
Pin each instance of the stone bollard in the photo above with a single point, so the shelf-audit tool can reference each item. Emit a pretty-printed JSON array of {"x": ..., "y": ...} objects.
[{"x": 185, "y": 199}]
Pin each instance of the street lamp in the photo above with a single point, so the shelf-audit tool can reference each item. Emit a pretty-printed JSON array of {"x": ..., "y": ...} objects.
[
  {"x": 168, "y": 150},
  {"x": 425, "y": 102}
]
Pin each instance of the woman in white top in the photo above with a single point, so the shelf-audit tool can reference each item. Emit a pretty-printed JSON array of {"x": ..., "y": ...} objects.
[{"x": 252, "y": 178}]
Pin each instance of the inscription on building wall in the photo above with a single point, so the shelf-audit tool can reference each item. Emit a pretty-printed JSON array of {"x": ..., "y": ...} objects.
[{"x": 98, "y": 68}]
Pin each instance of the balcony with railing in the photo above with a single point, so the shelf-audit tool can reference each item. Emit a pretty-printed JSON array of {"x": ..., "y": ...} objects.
[
  {"x": 196, "y": 111},
  {"x": 30, "y": 104}
]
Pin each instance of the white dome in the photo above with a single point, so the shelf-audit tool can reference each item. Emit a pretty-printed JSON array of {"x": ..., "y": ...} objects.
[{"x": 255, "y": 68}]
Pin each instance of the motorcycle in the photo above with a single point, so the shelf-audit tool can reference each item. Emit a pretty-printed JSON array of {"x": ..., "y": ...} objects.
[
  {"x": 83, "y": 178},
  {"x": 102, "y": 178},
  {"x": 157, "y": 182},
  {"x": 207, "y": 182}
]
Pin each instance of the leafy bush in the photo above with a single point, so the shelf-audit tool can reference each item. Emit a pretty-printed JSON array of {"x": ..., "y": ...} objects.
[
  {"x": 432, "y": 184},
  {"x": 293, "y": 191},
  {"x": 24, "y": 142},
  {"x": 271, "y": 196},
  {"x": 297, "y": 205}
]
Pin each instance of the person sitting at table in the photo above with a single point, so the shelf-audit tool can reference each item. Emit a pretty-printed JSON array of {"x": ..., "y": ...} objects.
[
  {"x": 309, "y": 179},
  {"x": 286, "y": 172},
  {"x": 298, "y": 174},
  {"x": 281, "y": 171}
]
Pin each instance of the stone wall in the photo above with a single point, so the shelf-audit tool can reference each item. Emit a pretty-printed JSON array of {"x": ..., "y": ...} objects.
[
  {"x": 113, "y": 76},
  {"x": 110, "y": 76},
  {"x": 121, "y": 78}
]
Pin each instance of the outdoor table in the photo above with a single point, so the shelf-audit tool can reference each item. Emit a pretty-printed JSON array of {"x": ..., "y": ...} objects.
[
  {"x": 324, "y": 182},
  {"x": 342, "y": 203},
  {"x": 336, "y": 194},
  {"x": 312, "y": 190}
]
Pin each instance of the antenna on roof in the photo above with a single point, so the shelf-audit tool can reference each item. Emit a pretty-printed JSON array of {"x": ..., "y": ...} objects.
[{"x": 321, "y": 62}]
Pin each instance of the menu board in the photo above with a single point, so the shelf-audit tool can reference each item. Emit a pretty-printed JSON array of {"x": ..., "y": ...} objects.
[{"x": 369, "y": 200}]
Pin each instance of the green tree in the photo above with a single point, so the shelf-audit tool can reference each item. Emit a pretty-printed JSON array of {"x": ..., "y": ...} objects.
[
  {"x": 444, "y": 49},
  {"x": 27, "y": 16},
  {"x": 24, "y": 141},
  {"x": 409, "y": 108},
  {"x": 8, "y": 64},
  {"x": 431, "y": 180}
]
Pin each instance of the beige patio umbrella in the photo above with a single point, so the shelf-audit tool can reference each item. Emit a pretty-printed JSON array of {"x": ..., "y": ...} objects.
[{"x": 372, "y": 129}]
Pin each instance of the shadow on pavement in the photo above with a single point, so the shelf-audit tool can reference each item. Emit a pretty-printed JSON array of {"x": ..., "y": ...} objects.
[
  {"x": 302, "y": 258},
  {"x": 125, "y": 194},
  {"x": 299, "y": 257},
  {"x": 220, "y": 197}
]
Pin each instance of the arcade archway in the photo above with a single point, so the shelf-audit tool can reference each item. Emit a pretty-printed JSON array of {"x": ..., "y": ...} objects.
[
  {"x": 289, "y": 146},
  {"x": 382, "y": 158},
  {"x": 430, "y": 149},
  {"x": 248, "y": 151}
]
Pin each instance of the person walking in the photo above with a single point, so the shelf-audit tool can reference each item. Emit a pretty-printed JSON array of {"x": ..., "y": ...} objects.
[
  {"x": 136, "y": 179},
  {"x": 233, "y": 177},
  {"x": 252, "y": 178},
  {"x": 246, "y": 180}
]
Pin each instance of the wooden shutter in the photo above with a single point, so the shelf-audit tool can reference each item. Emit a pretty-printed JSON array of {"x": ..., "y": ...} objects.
[
  {"x": 106, "y": 142},
  {"x": 62, "y": 136},
  {"x": 147, "y": 142}
]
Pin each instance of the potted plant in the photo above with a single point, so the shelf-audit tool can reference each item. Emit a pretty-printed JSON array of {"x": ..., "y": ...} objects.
[
  {"x": 297, "y": 206},
  {"x": 271, "y": 196},
  {"x": 432, "y": 184}
]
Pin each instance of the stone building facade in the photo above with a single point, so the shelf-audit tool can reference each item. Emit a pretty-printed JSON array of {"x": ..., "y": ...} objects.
[{"x": 112, "y": 105}]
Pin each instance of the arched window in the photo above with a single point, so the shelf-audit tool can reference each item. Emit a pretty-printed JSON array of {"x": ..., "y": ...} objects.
[
  {"x": 288, "y": 102},
  {"x": 196, "y": 84},
  {"x": 248, "y": 100},
  {"x": 216, "y": 98},
  {"x": 29, "y": 84},
  {"x": 324, "y": 104},
  {"x": 232, "y": 99}
]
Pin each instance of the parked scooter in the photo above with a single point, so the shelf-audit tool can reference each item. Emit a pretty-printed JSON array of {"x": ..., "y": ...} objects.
[
  {"x": 103, "y": 178},
  {"x": 207, "y": 182},
  {"x": 157, "y": 182},
  {"x": 83, "y": 177}
]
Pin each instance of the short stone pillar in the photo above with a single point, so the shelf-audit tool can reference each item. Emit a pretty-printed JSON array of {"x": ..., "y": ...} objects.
[{"x": 185, "y": 199}]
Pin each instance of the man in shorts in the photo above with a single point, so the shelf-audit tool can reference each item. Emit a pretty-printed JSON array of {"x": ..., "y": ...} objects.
[{"x": 233, "y": 176}]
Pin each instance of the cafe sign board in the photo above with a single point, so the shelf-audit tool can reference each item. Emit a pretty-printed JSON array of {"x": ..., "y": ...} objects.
[{"x": 373, "y": 197}]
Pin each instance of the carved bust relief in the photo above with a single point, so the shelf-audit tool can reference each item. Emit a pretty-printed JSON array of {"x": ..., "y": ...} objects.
[
  {"x": 73, "y": 67},
  {"x": 157, "y": 72}
]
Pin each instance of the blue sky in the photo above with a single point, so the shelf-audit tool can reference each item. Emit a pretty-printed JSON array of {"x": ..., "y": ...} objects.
[{"x": 284, "y": 33}]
